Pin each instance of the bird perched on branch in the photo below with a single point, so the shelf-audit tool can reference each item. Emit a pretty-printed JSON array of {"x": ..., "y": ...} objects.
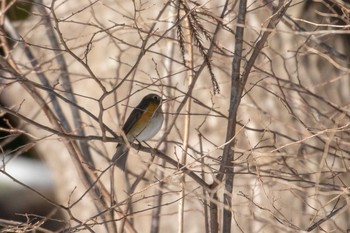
[{"x": 143, "y": 123}]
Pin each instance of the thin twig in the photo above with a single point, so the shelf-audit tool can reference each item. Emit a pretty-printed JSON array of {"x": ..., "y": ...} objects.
[{"x": 64, "y": 75}]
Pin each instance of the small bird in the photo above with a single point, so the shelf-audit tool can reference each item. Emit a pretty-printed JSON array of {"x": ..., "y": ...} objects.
[{"x": 143, "y": 123}]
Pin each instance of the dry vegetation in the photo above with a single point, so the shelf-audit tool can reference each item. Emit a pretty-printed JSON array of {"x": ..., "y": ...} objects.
[{"x": 256, "y": 135}]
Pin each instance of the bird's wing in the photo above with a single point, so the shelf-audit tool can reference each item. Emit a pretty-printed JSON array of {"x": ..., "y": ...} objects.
[{"x": 133, "y": 118}]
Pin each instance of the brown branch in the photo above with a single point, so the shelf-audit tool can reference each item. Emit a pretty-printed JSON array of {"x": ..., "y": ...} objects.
[{"x": 66, "y": 83}]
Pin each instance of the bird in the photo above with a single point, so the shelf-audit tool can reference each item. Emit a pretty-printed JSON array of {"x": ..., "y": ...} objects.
[{"x": 143, "y": 123}]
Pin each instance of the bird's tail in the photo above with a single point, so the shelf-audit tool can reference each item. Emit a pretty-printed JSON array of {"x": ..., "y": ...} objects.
[{"x": 120, "y": 156}]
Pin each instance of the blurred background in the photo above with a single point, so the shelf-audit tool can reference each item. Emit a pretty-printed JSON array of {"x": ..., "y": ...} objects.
[{"x": 72, "y": 71}]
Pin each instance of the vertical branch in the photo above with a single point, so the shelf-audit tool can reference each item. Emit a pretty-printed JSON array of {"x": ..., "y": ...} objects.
[
  {"x": 186, "y": 133},
  {"x": 226, "y": 166},
  {"x": 155, "y": 222},
  {"x": 237, "y": 87},
  {"x": 214, "y": 224},
  {"x": 205, "y": 202}
]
